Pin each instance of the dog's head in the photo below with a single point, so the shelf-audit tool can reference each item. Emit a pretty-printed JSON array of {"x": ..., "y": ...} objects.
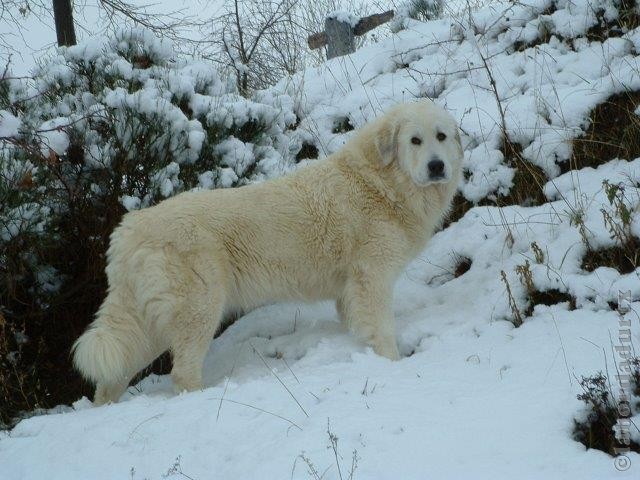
[{"x": 423, "y": 139}]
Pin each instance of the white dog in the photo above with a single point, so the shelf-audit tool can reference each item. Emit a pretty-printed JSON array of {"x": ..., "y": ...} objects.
[{"x": 343, "y": 229}]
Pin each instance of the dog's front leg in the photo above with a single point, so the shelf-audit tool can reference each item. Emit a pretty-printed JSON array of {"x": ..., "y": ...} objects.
[{"x": 365, "y": 307}]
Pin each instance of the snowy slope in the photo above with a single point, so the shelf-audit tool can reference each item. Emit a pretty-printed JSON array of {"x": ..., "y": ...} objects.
[
  {"x": 545, "y": 93},
  {"x": 473, "y": 396},
  {"x": 476, "y": 397}
]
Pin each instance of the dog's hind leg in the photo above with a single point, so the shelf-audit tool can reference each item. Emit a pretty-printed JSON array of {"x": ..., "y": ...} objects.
[
  {"x": 111, "y": 391},
  {"x": 114, "y": 348},
  {"x": 106, "y": 393},
  {"x": 189, "y": 345}
]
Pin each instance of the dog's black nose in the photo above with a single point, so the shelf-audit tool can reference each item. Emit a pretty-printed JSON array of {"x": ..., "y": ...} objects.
[{"x": 436, "y": 168}]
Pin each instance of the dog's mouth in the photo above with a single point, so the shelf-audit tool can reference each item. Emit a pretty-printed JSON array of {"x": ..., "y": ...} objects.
[
  {"x": 432, "y": 180},
  {"x": 431, "y": 183}
]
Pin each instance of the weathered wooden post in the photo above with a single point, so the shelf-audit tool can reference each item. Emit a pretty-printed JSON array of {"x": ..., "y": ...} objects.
[
  {"x": 341, "y": 40},
  {"x": 340, "y": 32}
]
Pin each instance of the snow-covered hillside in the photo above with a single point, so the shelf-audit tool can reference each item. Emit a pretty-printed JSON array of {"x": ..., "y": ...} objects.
[{"x": 290, "y": 394}]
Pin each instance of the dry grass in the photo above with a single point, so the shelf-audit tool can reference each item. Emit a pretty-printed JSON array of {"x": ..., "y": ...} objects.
[
  {"x": 614, "y": 132},
  {"x": 463, "y": 264},
  {"x": 536, "y": 296},
  {"x": 628, "y": 19},
  {"x": 342, "y": 125},
  {"x": 528, "y": 181},
  {"x": 527, "y": 189},
  {"x": 516, "y": 316},
  {"x": 459, "y": 208},
  {"x": 308, "y": 151},
  {"x": 625, "y": 259}
]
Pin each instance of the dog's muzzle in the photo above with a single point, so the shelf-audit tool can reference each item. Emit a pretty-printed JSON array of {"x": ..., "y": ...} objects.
[{"x": 436, "y": 169}]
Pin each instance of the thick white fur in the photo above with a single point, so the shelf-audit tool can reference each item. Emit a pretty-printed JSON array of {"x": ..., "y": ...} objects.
[{"x": 341, "y": 229}]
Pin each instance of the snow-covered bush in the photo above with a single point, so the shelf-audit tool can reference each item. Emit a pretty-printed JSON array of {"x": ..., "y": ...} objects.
[
  {"x": 421, "y": 10},
  {"x": 102, "y": 128}
]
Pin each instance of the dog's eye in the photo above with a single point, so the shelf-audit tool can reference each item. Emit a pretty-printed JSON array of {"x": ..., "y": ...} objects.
[
  {"x": 441, "y": 137},
  {"x": 416, "y": 141}
]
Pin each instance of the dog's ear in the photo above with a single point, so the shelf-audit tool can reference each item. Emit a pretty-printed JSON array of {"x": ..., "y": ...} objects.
[
  {"x": 387, "y": 142},
  {"x": 459, "y": 143}
]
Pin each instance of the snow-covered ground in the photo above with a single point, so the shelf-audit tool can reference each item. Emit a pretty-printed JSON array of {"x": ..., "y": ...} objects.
[{"x": 473, "y": 397}]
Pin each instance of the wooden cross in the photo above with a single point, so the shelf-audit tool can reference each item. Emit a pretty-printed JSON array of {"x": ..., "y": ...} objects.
[{"x": 339, "y": 35}]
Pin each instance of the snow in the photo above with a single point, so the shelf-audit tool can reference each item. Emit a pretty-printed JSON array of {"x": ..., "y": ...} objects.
[
  {"x": 545, "y": 92},
  {"x": 236, "y": 154},
  {"x": 473, "y": 396},
  {"x": 167, "y": 179},
  {"x": 9, "y": 124},
  {"x": 130, "y": 202},
  {"x": 24, "y": 217},
  {"x": 227, "y": 177},
  {"x": 54, "y": 138},
  {"x": 344, "y": 17}
]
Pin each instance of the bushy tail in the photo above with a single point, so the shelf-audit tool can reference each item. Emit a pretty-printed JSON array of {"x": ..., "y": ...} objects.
[{"x": 113, "y": 348}]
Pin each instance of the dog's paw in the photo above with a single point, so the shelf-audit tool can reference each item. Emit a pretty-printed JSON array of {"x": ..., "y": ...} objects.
[{"x": 387, "y": 349}]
